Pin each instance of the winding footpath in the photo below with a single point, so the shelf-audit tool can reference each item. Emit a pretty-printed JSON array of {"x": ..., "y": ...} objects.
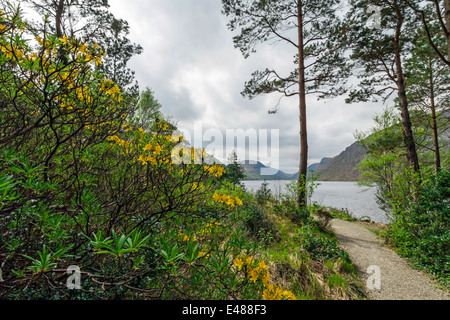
[{"x": 387, "y": 275}]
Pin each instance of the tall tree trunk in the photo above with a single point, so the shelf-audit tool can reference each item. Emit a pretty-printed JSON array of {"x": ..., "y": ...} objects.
[
  {"x": 410, "y": 144},
  {"x": 447, "y": 22},
  {"x": 59, "y": 29},
  {"x": 59, "y": 13},
  {"x": 437, "y": 155},
  {"x": 303, "y": 167}
]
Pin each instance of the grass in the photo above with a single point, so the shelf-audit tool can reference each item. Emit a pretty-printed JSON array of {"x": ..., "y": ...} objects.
[
  {"x": 341, "y": 214},
  {"x": 307, "y": 261}
]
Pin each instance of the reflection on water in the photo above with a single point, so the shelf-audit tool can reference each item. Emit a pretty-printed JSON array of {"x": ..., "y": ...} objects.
[{"x": 359, "y": 201}]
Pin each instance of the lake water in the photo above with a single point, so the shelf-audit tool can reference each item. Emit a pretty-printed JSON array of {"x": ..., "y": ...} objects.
[{"x": 359, "y": 201}]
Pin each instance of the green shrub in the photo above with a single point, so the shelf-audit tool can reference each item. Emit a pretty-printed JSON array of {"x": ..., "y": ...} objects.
[
  {"x": 319, "y": 245},
  {"x": 423, "y": 233},
  {"x": 259, "y": 223},
  {"x": 263, "y": 194},
  {"x": 80, "y": 185},
  {"x": 300, "y": 216}
]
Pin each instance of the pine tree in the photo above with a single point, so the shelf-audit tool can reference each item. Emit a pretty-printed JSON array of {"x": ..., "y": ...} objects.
[
  {"x": 92, "y": 22},
  {"x": 311, "y": 29},
  {"x": 234, "y": 171},
  {"x": 428, "y": 85},
  {"x": 379, "y": 55}
]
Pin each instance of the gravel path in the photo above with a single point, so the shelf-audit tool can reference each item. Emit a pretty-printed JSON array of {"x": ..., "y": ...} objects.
[{"x": 397, "y": 281}]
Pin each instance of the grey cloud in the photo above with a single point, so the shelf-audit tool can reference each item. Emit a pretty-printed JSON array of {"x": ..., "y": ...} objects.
[{"x": 197, "y": 75}]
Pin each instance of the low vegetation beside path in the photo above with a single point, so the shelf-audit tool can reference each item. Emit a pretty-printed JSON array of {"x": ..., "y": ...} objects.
[{"x": 302, "y": 253}]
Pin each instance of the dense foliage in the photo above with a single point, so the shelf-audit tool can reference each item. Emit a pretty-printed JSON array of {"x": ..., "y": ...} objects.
[
  {"x": 408, "y": 149},
  {"x": 81, "y": 185},
  {"x": 422, "y": 233},
  {"x": 93, "y": 179},
  {"x": 416, "y": 204},
  {"x": 86, "y": 184}
]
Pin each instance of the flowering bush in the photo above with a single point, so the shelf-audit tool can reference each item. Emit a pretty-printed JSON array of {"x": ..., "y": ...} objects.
[
  {"x": 82, "y": 184},
  {"x": 258, "y": 273}
]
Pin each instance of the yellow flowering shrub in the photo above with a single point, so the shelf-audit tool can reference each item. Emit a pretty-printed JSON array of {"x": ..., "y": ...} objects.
[
  {"x": 231, "y": 201},
  {"x": 258, "y": 272},
  {"x": 215, "y": 170},
  {"x": 184, "y": 237},
  {"x": 274, "y": 292},
  {"x": 209, "y": 227},
  {"x": 62, "y": 115},
  {"x": 147, "y": 148},
  {"x": 56, "y": 78},
  {"x": 203, "y": 254}
]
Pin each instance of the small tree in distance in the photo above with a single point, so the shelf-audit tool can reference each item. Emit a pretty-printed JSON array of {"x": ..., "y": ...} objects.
[
  {"x": 263, "y": 194},
  {"x": 148, "y": 110},
  {"x": 234, "y": 171}
]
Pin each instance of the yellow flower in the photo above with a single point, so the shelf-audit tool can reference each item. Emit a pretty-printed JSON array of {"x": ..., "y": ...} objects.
[
  {"x": 274, "y": 292},
  {"x": 239, "y": 263},
  {"x": 64, "y": 40},
  {"x": 253, "y": 274},
  {"x": 262, "y": 265},
  {"x": 184, "y": 237},
  {"x": 83, "y": 48},
  {"x": 143, "y": 160},
  {"x": 203, "y": 254},
  {"x": 158, "y": 149},
  {"x": 249, "y": 260},
  {"x": 148, "y": 147},
  {"x": 228, "y": 200},
  {"x": 97, "y": 60},
  {"x": 216, "y": 170},
  {"x": 238, "y": 201},
  {"x": 288, "y": 295}
]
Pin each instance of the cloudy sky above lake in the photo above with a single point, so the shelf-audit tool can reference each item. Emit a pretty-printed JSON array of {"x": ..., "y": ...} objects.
[{"x": 190, "y": 63}]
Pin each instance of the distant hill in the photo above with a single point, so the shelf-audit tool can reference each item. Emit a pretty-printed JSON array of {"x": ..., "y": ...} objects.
[
  {"x": 253, "y": 172},
  {"x": 343, "y": 167},
  {"x": 315, "y": 166}
]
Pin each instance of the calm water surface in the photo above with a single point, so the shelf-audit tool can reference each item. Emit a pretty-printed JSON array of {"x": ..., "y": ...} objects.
[{"x": 359, "y": 201}]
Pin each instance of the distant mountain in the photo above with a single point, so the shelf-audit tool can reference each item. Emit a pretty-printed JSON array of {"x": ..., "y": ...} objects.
[
  {"x": 343, "y": 167},
  {"x": 315, "y": 166},
  {"x": 255, "y": 170}
]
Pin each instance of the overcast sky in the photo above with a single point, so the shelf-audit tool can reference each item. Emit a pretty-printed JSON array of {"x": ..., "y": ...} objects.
[{"x": 190, "y": 63}]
